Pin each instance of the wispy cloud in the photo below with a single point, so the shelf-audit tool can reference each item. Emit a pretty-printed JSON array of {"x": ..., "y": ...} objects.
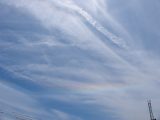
[{"x": 81, "y": 57}]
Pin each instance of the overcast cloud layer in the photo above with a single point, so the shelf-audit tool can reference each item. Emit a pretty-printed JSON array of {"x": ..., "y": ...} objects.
[{"x": 79, "y": 59}]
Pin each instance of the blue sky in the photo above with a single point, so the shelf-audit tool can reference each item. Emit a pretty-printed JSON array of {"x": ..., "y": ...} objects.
[{"x": 78, "y": 59}]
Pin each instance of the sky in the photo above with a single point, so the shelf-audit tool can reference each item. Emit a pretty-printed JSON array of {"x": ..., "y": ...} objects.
[{"x": 79, "y": 59}]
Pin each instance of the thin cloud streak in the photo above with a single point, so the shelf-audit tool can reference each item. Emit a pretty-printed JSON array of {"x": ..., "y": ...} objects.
[{"x": 74, "y": 63}]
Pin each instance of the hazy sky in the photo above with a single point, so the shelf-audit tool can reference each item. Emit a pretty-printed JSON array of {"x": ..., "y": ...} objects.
[{"x": 79, "y": 59}]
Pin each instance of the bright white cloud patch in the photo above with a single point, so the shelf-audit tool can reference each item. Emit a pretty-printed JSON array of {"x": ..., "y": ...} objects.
[{"x": 79, "y": 60}]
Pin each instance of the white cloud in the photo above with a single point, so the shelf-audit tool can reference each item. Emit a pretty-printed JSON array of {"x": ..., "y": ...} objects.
[
  {"x": 59, "y": 115},
  {"x": 88, "y": 69}
]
